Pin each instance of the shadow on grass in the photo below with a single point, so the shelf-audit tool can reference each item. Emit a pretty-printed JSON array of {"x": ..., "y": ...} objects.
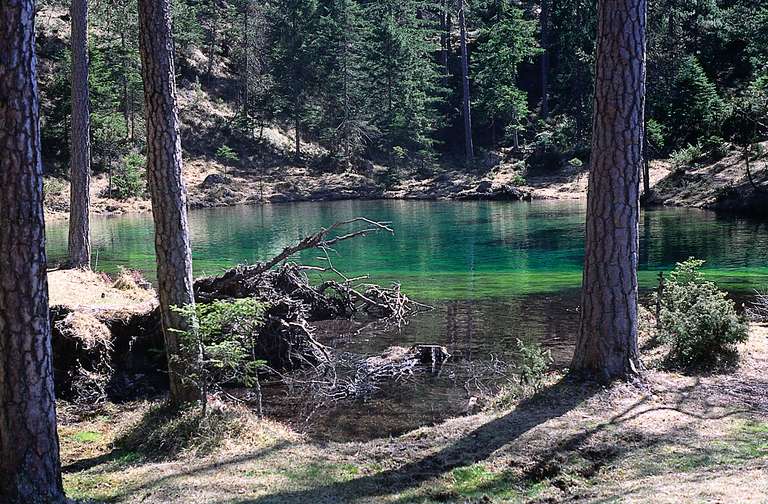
[{"x": 473, "y": 447}]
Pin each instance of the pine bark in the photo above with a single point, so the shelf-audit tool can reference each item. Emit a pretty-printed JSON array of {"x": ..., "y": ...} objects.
[
  {"x": 167, "y": 190},
  {"x": 469, "y": 149},
  {"x": 79, "y": 245},
  {"x": 607, "y": 342},
  {"x": 30, "y": 470}
]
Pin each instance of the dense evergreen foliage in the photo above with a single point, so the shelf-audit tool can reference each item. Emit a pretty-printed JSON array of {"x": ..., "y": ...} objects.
[{"x": 381, "y": 80}]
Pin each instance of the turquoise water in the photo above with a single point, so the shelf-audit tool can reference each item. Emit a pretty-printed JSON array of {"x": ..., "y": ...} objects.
[
  {"x": 444, "y": 250},
  {"x": 495, "y": 272}
]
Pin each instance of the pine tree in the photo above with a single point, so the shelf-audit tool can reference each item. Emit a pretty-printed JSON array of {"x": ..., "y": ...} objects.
[
  {"x": 404, "y": 76},
  {"x": 293, "y": 27},
  {"x": 30, "y": 468},
  {"x": 606, "y": 346},
  {"x": 505, "y": 43},
  {"x": 344, "y": 125},
  {"x": 696, "y": 109}
]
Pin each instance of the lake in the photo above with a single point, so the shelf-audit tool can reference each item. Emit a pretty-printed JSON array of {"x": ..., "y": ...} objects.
[{"x": 494, "y": 271}]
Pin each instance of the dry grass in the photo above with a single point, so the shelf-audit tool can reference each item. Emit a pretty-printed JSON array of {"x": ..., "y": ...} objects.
[
  {"x": 673, "y": 438},
  {"x": 73, "y": 288}
]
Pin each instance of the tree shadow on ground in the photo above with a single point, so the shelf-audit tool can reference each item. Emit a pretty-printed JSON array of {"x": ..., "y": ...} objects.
[{"x": 475, "y": 446}]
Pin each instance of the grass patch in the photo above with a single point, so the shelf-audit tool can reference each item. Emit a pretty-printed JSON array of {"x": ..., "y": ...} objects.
[
  {"x": 321, "y": 473},
  {"x": 88, "y": 437},
  {"x": 91, "y": 486}
]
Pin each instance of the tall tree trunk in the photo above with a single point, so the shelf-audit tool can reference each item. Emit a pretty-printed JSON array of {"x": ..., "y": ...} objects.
[
  {"x": 469, "y": 149},
  {"x": 755, "y": 187},
  {"x": 169, "y": 196},
  {"x": 30, "y": 471},
  {"x": 606, "y": 347},
  {"x": 445, "y": 36},
  {"x": 646, "y": 167},
  {"x": 80, "y": 144},
  {"x": 297, "y": 137},
  {"x": 247, "y": 69},
  {"x": 544, "y": 61}
]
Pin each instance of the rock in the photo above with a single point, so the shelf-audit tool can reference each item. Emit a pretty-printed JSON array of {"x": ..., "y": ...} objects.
[
  {"x": 492, "y": 159},
  {"x": 484, "y": 186},
  {"x": 214, "y": 179},
  {"x": 497, "y": 192}
]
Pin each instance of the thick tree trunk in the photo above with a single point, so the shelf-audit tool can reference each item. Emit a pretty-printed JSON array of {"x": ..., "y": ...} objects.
[
  {"x": 607, "y": 342},
  {"x": 30, "y": 470},
  {"x": 469, "y": 149},
  {"x": 169, "y": 196},
  {"x": 544, "y": 62},
  {"x": 79, "y": 247}
]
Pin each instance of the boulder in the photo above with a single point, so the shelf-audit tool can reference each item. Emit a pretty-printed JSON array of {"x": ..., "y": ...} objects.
[{"x": 214, "y": 179}]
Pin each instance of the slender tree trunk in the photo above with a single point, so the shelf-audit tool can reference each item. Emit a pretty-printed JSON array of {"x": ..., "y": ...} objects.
[
  {"x": 469, "y": 149},
  {"x": 751, "y": 179},
  {"x": 646, "y": 167},
  {"x": 297, "y": 137},
  {"x": 544, "y": 61},
  {"x": 80, "y": 144},
  {"x": 445, "y": 36},
  {"x": 124, "y": 83},
  {"x": 30, "y": 470},
  {"x": 169, "y": 196},
  {"x": 606, "y": 347},
  {"x": 247, "y": 53}
]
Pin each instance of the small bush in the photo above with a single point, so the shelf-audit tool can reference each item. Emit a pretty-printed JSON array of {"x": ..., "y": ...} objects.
[
  {"x": 227, "y": 154},
  {"x": 697, "y": 320},
  {"x": 687, "y": 156},
  {"x": 128, "y": 180},
  {"x": 227, "y": 333},
  {"x": 518, "y": 180},
  {"x": 715, "y": 148},
  {"x": 533, "y": 364},
  {"x": 53, "y": 186}
]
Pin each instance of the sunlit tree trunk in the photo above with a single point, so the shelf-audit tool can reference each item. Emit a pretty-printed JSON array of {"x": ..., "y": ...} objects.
[
  {"x": 469, "y": 149},
  {"x": 544, "y": 62},
  {"x": 607, "y": 341},
  {"x": 79, "y": 246},
  {"x": 30, "y": 470},
  {"x": 169, "y": 196}
]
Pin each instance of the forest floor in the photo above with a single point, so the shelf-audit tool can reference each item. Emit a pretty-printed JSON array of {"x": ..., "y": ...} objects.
[{"x": 670, "y": 438}]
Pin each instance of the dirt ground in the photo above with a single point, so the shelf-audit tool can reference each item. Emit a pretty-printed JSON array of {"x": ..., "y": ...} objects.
[{"x": 671, "y": 438}]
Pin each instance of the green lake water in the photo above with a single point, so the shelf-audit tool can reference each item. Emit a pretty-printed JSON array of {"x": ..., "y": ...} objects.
[
  {"x": 444, "y": 250},
  {"x": 494, "y": 272}
]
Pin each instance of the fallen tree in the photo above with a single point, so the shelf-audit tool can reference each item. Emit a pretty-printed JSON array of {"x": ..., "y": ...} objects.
[{"x": 100, "y": 352}]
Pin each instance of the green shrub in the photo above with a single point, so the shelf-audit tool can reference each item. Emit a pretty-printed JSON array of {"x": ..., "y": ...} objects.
[
  {"x": 715, "y": 147},
  {"x": 128, "y": 181},
  {"x": 654, "y": 133},
  {"x": 518, "y": 180},
  {"x": 687, "y": 156},
  {"x": 697, "y": 320},
  {"x": 227, "y": 154},
  {"x": 533, "y": 363},
  {"x": 227, "y": 335}
]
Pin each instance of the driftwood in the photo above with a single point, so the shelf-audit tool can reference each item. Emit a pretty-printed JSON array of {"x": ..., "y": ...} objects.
[
  {"x": 287, "y": 341},
  {"x": 395, "y": 364}
]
